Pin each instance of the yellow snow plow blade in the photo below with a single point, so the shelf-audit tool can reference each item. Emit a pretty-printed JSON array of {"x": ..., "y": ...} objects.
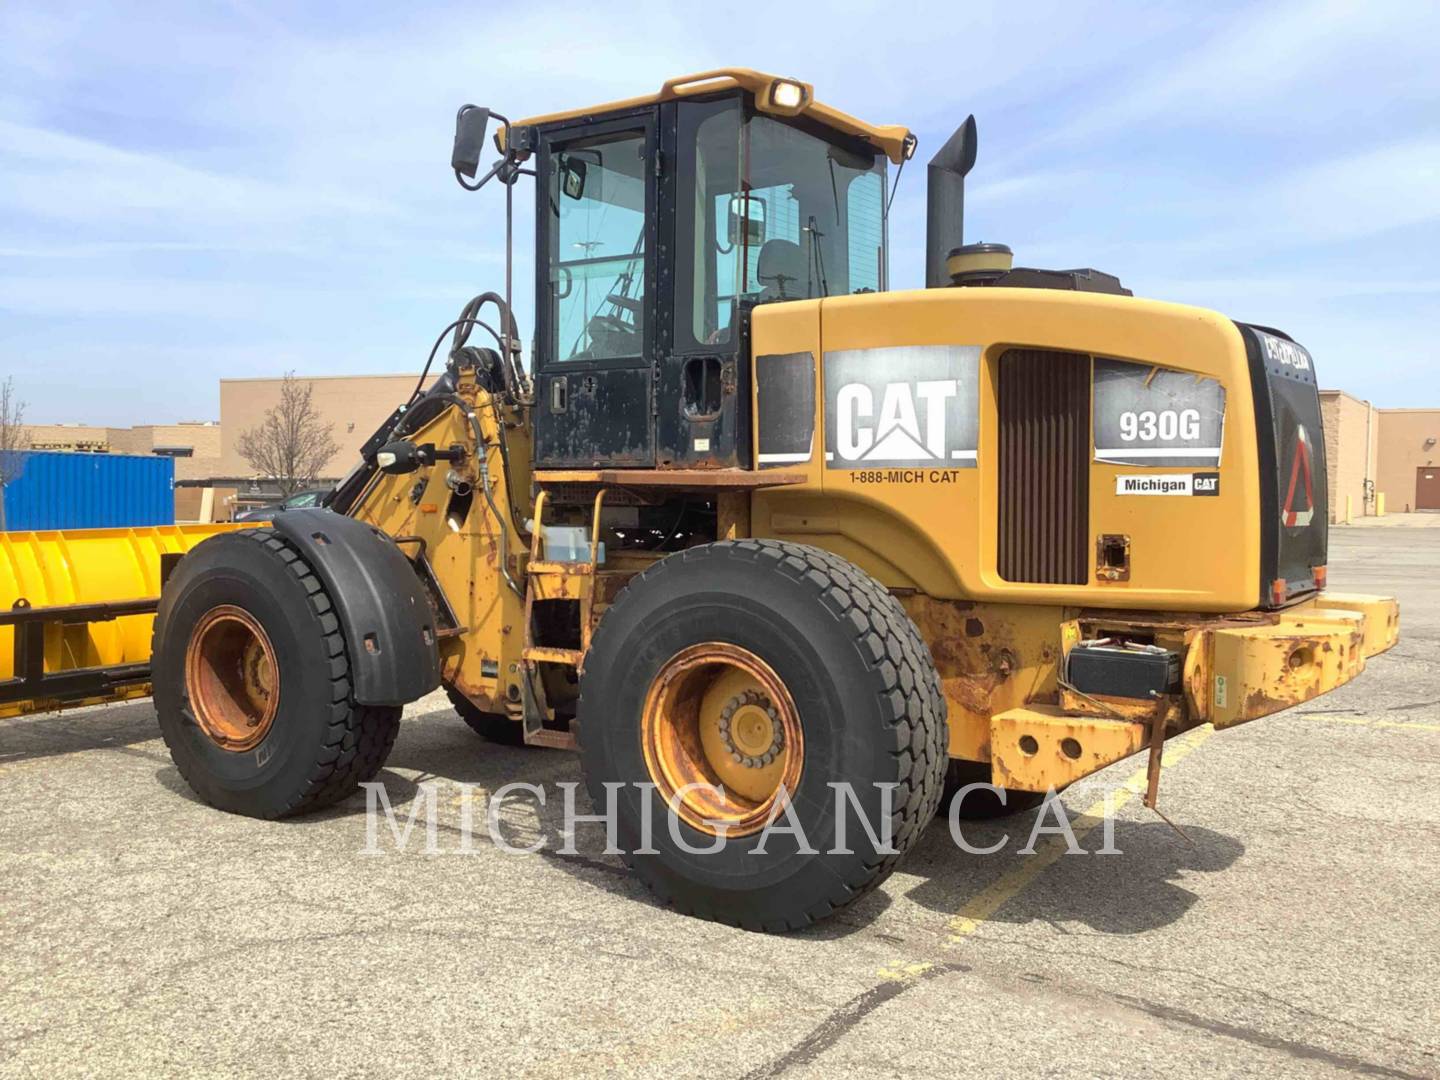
[{"x": 76, "y": 610}]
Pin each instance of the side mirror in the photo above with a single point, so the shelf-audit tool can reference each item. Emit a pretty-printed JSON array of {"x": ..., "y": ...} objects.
[
  {"x": 746, "y": 220},
  {"x": 470, "y": 124},
  {"x": 572, "y": 176}
]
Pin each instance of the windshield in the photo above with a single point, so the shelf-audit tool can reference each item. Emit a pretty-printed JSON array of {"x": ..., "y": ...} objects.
[{"x": 771, "y": 213}]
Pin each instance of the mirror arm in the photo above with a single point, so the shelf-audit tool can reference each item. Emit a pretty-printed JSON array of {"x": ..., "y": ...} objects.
[
  {"x": 505, "y": 159},
  {"x": 478, "y": 184}
]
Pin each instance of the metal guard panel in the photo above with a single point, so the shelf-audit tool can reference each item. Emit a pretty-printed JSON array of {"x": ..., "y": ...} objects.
[
  {"x": 384, "y": 613},
  {"x": 1311, "y": 650}
]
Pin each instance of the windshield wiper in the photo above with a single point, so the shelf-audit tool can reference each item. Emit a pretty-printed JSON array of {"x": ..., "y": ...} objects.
[
  {"x": 817, "y": 255},
  {"x": 834, "y": 189}
]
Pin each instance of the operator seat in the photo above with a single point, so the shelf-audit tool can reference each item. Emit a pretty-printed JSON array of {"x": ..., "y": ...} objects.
[{"x": 780, "y": 269}]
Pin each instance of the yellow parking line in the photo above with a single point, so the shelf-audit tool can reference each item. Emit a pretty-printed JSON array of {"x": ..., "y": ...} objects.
[
  {"x": 989, "y": 900},
  {"x": 903, "y": 972}
]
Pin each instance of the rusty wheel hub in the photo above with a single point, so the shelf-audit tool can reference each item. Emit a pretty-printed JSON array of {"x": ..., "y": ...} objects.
[
  {"x": 721, "y": 737},
  {"x": 231, "y": 678},
  {"x": 750, "y": 729}
]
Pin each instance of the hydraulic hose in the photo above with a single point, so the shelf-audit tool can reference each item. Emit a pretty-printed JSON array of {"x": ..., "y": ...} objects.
[{"x": 486, "y": 486}]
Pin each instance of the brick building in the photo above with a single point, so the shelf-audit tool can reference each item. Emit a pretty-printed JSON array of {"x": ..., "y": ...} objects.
[
  {"x": 353, "y": 405},
  {"x": 195, "y": 445},
  {"x": 1370, "y": 451}
]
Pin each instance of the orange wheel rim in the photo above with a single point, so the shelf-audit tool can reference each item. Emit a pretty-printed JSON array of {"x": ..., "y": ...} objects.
[
  {"x": 717, "y": 715},
  {"x": 231, "y": 678}
]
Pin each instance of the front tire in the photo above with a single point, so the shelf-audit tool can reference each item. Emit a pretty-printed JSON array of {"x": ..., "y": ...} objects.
[
  {"x": 252, "y": 682},
  {"x": 750, "y": 665}
]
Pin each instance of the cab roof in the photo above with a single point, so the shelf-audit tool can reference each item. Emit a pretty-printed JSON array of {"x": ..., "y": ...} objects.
[{"x": 893, "y": 140}]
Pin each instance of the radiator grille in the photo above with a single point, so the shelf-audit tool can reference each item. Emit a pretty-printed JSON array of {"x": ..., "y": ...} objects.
[{"x": 1044, "y": 408}]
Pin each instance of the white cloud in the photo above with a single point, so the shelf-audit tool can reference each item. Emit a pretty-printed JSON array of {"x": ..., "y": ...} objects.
[
  {"x": 1360, "y": 194},
  {"x": 1277, "y": 68},
  {"x": 110, "y": 249},
  {"x": 47, "y": 174},
  {"x": 1309, "y": 287},
  {"x": 1322, "y": 204},
  {"x": 1026, "y": 186},
  {"x": 259, "y": 163},
  {"x": 121, "y": 297}
]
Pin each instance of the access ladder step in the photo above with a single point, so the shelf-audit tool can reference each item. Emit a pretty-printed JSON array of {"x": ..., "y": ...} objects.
[
  {"x": 553, "y": 740},
  {"x": 561, "y": 569},
  {"x": 545, "y": 655}
]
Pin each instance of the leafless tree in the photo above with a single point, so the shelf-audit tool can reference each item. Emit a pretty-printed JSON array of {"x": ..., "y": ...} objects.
[
  {"x": 13, "y": 438},
  {"x": 291, "y": 445}
]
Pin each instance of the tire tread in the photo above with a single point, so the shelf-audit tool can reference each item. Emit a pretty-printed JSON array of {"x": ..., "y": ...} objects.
[
  {"x": 358, "y": 737},
  {"x": 889, "y": 643}
]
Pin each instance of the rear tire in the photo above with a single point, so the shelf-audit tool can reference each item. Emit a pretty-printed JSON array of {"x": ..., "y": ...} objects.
[
  {"x": 257, "y": 714},
  {"x": 495, "y": 727},
  {"x": 769, "y": 629},
  {"x": 983, "y": 804}
]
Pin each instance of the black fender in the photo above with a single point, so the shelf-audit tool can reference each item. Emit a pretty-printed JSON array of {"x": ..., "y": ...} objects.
[{"x": 385, "y": 614}]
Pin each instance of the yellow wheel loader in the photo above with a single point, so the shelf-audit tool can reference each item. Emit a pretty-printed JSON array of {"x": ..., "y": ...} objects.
[{"x": 766, "y": 542}]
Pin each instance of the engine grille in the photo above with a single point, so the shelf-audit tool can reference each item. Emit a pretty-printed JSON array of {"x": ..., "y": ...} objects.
[{"x": 1044, "y": 408}]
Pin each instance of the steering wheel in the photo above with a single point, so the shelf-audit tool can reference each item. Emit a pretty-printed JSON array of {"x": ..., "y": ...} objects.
[{"x": 612, "y": 324}]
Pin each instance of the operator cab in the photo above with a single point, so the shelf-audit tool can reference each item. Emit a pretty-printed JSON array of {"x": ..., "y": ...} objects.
[{"x": 661, "y": 224}]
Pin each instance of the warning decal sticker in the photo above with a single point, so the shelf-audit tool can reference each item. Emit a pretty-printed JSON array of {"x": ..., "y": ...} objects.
[
  {"x": 785, "y": 408},
  {"x": 1299, "y": 508}
]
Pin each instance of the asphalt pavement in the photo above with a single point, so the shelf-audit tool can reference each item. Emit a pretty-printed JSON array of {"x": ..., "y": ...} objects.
[{"x": 1296, "y": 933}]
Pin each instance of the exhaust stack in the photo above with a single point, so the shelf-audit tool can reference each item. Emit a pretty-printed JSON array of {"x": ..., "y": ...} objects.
[{"x": 945, "y": 202}]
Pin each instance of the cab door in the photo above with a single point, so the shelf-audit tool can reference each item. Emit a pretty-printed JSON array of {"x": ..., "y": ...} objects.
[
  {"x": 702, "y": 369},
  {"x": 596, "y": 294}
]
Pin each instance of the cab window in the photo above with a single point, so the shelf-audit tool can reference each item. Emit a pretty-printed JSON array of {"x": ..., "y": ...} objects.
[
  {"x": 597, "y": 248},
  {"x": 770, "y": 212}
]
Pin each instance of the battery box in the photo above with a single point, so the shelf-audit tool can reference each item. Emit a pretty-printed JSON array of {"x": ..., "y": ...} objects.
[{"x": 1124, "y": 671}]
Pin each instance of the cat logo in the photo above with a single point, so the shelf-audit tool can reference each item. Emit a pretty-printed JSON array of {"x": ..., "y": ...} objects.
[
  {"x": 1286, "y": 352},
  {"x": 910, "y": 426},
  {"x": 913, "y": 405}
]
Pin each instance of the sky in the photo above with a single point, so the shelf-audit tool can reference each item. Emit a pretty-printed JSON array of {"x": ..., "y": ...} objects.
[{"x": 191, "y": 191}]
